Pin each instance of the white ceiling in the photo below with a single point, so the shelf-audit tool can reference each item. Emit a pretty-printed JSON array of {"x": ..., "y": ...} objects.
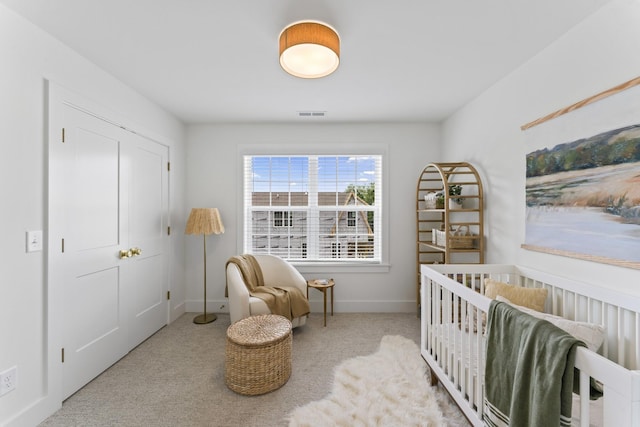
[{"x": 217, "y": 61}]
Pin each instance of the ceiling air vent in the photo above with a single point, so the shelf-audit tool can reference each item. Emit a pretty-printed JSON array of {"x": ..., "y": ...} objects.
[{"x": 311, "y": 113}]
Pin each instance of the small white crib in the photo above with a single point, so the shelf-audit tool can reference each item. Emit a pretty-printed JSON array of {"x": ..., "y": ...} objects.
[{"x": 453, "y": 306}]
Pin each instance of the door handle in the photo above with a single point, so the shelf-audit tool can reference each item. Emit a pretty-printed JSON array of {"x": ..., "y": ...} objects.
[
  {"x": 135, "y": 251},
  {"x": 125, "y": 253}
]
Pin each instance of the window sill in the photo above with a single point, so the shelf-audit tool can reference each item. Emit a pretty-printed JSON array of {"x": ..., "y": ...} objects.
[{"x": 328, "y": 268}]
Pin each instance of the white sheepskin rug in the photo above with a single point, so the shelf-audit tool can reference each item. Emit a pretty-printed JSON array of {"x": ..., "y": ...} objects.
[{"x": 387, "y": 388}]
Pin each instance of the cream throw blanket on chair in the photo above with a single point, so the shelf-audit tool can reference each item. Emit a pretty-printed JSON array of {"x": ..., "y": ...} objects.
[{"x": 286, "y": 301}]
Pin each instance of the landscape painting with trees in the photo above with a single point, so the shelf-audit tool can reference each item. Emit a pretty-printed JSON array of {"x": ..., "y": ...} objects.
[
  {"x": 583, "y": 179},
  {"x": 583, "y": 196}
]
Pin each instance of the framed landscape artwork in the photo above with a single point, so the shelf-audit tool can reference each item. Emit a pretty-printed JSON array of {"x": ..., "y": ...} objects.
[{"x": 583, "y": 179}]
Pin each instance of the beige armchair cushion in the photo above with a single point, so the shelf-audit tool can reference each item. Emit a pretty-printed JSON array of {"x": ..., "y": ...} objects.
[{"x": 276, "y": 272}]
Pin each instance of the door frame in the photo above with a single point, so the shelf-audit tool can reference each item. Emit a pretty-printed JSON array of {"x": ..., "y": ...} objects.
[{"x": 56, "y": 95}]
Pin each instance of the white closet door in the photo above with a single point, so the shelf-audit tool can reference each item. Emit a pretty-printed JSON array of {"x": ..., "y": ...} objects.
[
  {"x": 147, "y": 273},
  {"x": 109, "y": 204},
  {"x": 94, "y": 316}
]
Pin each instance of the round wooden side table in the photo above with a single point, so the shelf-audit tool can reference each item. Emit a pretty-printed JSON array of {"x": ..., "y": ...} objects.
[{"x": 322, "y": 285}]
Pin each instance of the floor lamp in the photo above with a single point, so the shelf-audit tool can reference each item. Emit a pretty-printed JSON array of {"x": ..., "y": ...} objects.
[{"x": 204, "y": 221}]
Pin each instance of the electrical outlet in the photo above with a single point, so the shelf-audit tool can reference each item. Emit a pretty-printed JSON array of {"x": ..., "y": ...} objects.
[{"x": 8, "y": 380}]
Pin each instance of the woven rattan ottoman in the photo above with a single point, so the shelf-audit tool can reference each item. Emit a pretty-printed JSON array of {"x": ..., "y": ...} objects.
[{"x": 258, "y": 354}]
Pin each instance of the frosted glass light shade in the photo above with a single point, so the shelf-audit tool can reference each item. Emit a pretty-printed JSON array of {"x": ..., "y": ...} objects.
[{"x": 309, "y": 49}]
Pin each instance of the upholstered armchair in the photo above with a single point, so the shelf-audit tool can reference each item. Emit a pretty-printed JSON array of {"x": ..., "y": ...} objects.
[{"x": 276, "y": 272}]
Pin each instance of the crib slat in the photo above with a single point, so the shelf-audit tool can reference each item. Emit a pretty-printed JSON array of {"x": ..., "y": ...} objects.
[
  {"x": 438, "y": 313},
  {"x": 605, "y": 323},
  {"x": 584, "y": 399},
  {"x": 479, "y": 370},
  {"x": 464, "y": 373},
  {"x": 620, "y": 336},
  {"x": 451, "y": 349}
]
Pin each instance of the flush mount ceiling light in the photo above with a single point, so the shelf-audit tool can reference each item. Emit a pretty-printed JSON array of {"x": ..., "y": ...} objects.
[{"x": 309, "y": 49}]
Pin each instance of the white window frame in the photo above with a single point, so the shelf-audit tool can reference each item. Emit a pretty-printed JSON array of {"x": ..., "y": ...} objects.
[{"x": 323, "y": 149}]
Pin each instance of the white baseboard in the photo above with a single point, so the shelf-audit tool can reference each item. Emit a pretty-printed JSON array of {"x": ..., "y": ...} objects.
[
  {"x": 34, "y": 414},
  {"x": 339, "y": 306}
]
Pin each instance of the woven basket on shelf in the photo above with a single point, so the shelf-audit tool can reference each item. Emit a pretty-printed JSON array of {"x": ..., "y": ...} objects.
[
  {"x": 258, "y": 354},
  {"x": 459, "y": 238}
]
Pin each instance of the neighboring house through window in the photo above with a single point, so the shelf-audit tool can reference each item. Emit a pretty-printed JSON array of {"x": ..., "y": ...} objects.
[{"x": 314, "y": 208}]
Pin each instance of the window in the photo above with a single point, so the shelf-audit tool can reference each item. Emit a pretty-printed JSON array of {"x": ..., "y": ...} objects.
[
  {"x": 282, "y": 219},
  {"x": 351, "y": 219},
  {"x": 314, "y": 208}
]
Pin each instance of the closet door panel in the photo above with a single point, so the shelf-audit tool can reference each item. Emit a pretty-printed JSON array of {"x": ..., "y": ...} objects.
[
  {"x": 148, "y": 282},
  {"x": 93, "y": 230}
]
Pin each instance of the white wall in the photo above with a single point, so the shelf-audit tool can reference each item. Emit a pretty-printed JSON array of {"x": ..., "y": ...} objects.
[
  {"x": 29, "y": 56},
  {"x": 596, "y": 55},
  {"x": 213, "y": 180}
]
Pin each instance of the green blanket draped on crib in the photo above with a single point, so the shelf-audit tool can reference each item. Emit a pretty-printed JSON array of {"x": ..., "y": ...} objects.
[{"x": 529, "y": 370}]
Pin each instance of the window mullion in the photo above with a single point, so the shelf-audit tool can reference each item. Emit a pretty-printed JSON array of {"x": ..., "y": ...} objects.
[
  {"x": 248, "y": 204},
  {"x": 313, "y": 216}
]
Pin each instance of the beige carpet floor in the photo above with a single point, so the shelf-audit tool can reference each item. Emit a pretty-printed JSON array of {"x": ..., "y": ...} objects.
[{"x": 176, "y": 377}]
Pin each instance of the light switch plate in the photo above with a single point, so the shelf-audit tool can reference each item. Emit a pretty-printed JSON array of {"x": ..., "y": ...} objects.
[{"x": 34, "y": 241}]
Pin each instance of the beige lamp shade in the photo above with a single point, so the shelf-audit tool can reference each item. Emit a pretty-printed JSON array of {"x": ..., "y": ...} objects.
[
  {"x": 204, "y": 221},
  {"x": 309, "y": 49}
]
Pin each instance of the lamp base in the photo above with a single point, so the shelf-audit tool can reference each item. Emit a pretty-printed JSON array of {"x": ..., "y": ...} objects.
[{"x": 204, "y": 318}]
